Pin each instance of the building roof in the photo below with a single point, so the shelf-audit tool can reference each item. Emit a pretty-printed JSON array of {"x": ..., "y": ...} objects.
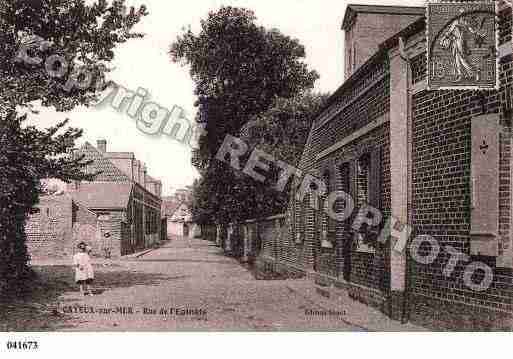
[
  {"x": 353, "y": 9},
  {"x": 413, "y": 28},
  {"x": 103, "y": 195},
  {"x": 108, "y": 172},
  {"x": 152, "y": 180},
  {"x": 123, "y": 155},
  {"x": 169, "y": 206}
]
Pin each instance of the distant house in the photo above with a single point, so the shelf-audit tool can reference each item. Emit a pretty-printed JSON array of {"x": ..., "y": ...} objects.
[
  {"x": 179, "y": 216},
  {"x": 124, "y": 201}
]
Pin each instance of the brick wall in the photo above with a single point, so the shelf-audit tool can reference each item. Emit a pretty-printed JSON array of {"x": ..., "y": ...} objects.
[
  {"x": 441, "y": 193},
  {"x": 257, "y": 242},
  {"x": 441, "y": 123},
  {"x": 49, "y": 231},
  {"x": 126, "y": 242},
  {"x": 418, "y": 67},
  {"x": 112, "y": 235},
  {"x": 117, "y": 242},
  {"x": 441, "y": 200},
  {"x": 505, "y": 26},
  {"x": 368, "y": 32},
  {"x": 85, "y": 228},
  {"x": 359, "y": 103}
]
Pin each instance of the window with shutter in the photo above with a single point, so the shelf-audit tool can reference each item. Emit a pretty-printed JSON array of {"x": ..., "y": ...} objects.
[
  {"x": 332, "y": 187},
  {"x": 362, "y": 181},
  {"x": 325, "y": 235},
  {"x": 352, "y": 167},
  {"x": 375, "y": 180},
  {"x": 345, "y": 186},
  {"x": 368, "y": 192},
  {"x": 297, "y": 228},
  {"x": 301, "y": 213}
]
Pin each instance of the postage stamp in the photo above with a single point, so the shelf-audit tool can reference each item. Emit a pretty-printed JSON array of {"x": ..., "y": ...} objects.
[{"x": 462, "y": 45}]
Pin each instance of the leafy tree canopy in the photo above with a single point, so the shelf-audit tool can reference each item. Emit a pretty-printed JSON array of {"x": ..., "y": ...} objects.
[
  {"x": 283, "y": 129},
  {"x": 83, "y": 36},
  {"x": 239, "y": 69},
  {"x": 224, "y": 195}
]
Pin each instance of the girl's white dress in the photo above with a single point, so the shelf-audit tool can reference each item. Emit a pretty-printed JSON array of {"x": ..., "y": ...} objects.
[{"x": 84, "y": 270}]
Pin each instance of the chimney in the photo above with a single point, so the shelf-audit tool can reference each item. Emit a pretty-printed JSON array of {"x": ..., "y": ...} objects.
[
  {"x": 159, "y": 189},
  {"x": 137, "y": 171},
  {"x": 102, "y": 145},
  {"x": 141, "y": 174},
  {"x": 145, "y": 173}
]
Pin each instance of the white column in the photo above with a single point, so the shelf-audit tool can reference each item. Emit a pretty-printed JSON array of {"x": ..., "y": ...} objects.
[{"x": 399, "y": 161}]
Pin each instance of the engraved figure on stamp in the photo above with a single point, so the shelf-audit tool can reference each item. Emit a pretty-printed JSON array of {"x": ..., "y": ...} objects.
[{"x": 454, "y": 38}]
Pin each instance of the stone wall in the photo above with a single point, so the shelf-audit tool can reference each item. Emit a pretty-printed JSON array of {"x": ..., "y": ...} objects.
[{"x": 49, "y": 231}]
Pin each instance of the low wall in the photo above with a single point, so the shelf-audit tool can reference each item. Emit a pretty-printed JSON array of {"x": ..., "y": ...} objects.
[
  {"x": 208, "y": 232},
  {"x": 247, "y": 240}
]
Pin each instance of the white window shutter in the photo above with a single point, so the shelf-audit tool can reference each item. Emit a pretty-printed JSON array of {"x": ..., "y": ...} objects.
[{"x": 485, "y": 186}]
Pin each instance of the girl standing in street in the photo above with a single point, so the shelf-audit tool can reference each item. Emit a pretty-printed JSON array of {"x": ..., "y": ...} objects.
[{"x": 84, "y": 274}]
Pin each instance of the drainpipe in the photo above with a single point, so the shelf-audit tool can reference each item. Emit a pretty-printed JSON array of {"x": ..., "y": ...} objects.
[{"x": 406, "y": 297}]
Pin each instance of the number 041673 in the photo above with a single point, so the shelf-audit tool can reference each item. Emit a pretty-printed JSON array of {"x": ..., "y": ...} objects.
[{"x": 22, "y": 345}]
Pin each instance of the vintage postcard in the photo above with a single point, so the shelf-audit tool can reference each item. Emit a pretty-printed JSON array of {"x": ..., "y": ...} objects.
[{"x": 228, "y": 166}]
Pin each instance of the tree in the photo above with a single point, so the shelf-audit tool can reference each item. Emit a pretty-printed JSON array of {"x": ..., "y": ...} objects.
[
  {"x": 83, "y": 38},
  {"x": 70, "y": 38},
  {"x": 283, "y": 129},
  {"x": 239, "y": 69},
  {"x": 280, "y": 132},
  {"x": 200, "y": 206},
  {"x": 28, "y": 156}
]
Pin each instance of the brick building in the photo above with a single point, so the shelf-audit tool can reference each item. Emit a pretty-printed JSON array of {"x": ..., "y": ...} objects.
[
  {"x": 416, "y": 156},
  {"x": 123, "y": 206},
  {"x": 59, "y": 219}
]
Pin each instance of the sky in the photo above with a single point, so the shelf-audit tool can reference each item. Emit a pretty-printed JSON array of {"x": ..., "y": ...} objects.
[{"x": 145, "y": 63}]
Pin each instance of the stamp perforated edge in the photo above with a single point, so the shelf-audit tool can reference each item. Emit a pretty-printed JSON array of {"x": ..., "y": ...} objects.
[{"x": 497, "y": 60}]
